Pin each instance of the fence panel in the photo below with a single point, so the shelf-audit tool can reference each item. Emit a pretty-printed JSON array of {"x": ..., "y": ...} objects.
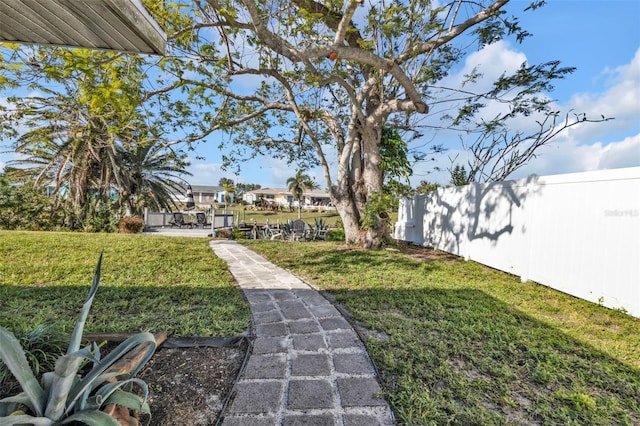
[{"x": 578, "y": 233}]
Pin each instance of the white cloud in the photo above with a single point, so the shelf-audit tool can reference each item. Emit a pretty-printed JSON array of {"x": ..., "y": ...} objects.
[
  {"x": 621, "y": 101},
  {"x": 266, "y": 171},
  {"x": 273, "y": 173},
  {"x": 205, "y": 173},
  {"x": 570, "y": 156},
  {"x": 593, "y": 146},
  {"x": 585, "y": 147},
  {"x": 621, "y": 154}
]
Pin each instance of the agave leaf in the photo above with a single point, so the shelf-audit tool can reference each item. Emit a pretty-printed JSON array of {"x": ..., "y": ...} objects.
[
  {"x": 15, "y": 360},
  {"x": 12, "y": 404},
  {"x": 22, "y": 398},
  {"x": 46, "y": 381},
  {"x": 89, "y": 381},
  {"x": 106, "y": 377},
  {"x": 24, "y": 419},
  {"x": 96, "y": 352},
  {"x": 66, "y": 371},
  {"x": 91, "y": 418},
  {"x": 129, "y": 400},
  {"x": 86, "y": 401},
  {"x": 105, "y": 393},
  {"x": 76, "y": 336}
]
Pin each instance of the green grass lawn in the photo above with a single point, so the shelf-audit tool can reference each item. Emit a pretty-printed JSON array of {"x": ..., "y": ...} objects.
[
  {"x": 149, "y": 283},
  {"x": 460, "y": 343},
  {"x": 455, "y": 342}
]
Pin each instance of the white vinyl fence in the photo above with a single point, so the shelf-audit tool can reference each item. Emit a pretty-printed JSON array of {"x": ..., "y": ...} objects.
[{"x": 577, "y": 233}]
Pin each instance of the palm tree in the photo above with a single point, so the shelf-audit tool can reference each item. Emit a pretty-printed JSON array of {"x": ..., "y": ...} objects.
[
  {"x": 149, "y": 176},
  {"x": 298, "y": 184},
  {"x": 88, "y": 136}
]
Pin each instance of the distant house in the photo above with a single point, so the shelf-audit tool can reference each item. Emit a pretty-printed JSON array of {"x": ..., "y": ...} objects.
[
  {"x": 202, "y": 195},
  {"x": 275, "y": 196},
  {"x": 317, "y": 198},
  {"x": 282, "y": 197}
]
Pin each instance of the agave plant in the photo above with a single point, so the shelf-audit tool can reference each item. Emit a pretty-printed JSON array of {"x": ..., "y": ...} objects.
[{"x": 64, "y": 396}]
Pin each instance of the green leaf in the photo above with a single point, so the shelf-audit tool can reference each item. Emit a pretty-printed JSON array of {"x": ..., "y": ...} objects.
[
  {"x": 90, "y": 380},
  {"x": 76, "y": 336},
  {"x": 91, "y": 418},
  {"x": 66, "y": 372},
  {"x": 24, "y": 419},
  {"x": 105, "y": 392},
  {"x": 129, "y": 400},
  {"x": 12, "y": 403},
  {"x": 14, "y": 358}
]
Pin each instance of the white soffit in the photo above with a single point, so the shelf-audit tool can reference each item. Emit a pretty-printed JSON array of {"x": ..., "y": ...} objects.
[{"x": 122, "y": 25}]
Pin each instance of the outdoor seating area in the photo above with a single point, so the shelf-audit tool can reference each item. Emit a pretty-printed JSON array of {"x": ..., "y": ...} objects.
[
  {"x": 182, "y": 220},
  {"x": 234, "y": 222},
  {"x": 296, "y": 230},
  {"x": 178, "y": 221}
]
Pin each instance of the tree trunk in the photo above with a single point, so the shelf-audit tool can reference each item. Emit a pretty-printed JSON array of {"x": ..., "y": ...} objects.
[
  {"x": 350, "y": 220},
  {"x": 350, "y": 202},
  {"x": 360, "y": 177}
]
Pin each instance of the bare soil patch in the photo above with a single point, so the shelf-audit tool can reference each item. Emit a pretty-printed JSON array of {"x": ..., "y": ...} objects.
[
  {"x": 425, "y": 254},
  {"x": 191, "y": 385}
]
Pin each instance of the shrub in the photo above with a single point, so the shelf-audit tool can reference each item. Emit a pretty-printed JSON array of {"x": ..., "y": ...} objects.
[
  {"x": 224, "y": 233},
  {"x": 131, "y": 225},
  {"x": 25, "y": 206},
  {"x": 238, "y": 234},
  {"x": 336, "y": 235},
  {"x": 42, "y": 347},
  {"x": 101, "y": 217}
]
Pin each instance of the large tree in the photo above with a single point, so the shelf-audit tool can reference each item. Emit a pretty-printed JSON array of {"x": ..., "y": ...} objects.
[{"x": 316, "y": 82}]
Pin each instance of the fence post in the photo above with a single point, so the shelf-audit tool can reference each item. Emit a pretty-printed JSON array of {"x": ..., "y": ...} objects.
[
  {"x": 530, "y": 219},
  {"x": 471, "y": 199}
]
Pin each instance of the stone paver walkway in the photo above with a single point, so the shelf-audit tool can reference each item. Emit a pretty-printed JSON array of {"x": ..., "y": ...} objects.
[{"x": 308, "y": 366}]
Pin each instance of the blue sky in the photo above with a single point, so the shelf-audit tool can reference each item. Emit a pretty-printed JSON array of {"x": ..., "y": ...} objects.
[{"x": 601, "y": 38}]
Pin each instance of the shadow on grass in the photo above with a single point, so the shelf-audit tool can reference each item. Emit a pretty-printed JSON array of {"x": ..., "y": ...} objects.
[
  {"x": 179, "y": 310},
  {"x": 451, "y": 353},
  {"x": 334, "y": 258},
  {"x": 465, "y": 357}
]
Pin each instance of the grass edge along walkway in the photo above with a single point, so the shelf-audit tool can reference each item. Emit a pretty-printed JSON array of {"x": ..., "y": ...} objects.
[
  {"x": 457, "y": 342},
  {"x": 148, "y": 283}
]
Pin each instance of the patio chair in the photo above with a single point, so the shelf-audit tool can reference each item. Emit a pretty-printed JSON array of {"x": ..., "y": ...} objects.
[
  {"x": 299, "y": 229},
  {"x": 178, "y": 220},
  {"x": 273, "y": 233},
  {"x": 201, "y": 220}
]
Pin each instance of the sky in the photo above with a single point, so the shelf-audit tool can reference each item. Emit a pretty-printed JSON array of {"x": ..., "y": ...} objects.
[{"x": 601, "y": 38}]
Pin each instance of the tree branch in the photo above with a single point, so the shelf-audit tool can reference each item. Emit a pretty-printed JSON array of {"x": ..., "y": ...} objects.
[{"x": 453, "y": 32}]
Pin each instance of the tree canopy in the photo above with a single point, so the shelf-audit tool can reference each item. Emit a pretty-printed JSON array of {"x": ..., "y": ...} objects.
[{"x": 317, "y": 82}]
